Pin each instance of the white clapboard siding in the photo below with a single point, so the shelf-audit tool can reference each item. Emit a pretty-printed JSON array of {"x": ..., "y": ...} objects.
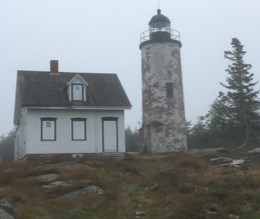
[{"x": 64, "y": 143}]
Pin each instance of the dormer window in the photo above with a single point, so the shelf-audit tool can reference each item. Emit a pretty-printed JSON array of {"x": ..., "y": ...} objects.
[
  {"x": 77, "y": 92},
  {"x": 77, "y": 89}
]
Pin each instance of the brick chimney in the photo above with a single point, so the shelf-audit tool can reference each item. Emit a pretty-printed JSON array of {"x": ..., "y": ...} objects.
[{"x": 54, "y": 66}]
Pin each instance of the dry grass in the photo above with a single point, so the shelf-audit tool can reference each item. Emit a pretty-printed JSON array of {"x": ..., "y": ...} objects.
[{"x": 179, "y": 185}]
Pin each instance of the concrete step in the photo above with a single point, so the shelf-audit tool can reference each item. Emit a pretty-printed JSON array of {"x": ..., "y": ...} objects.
[{"x": 116, "y": 155}]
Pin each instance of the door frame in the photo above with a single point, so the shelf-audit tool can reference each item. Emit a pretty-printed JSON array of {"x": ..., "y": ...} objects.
[{"x": 105, "y": 119}]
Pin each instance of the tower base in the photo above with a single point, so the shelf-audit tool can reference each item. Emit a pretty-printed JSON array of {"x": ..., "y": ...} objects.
[{"x": 154, "y": 139}]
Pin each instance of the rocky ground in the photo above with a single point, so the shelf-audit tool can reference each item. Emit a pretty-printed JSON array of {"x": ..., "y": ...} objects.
[{"x": 199, "y": 184}]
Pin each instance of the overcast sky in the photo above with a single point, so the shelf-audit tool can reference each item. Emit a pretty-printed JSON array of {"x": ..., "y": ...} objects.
[{"x": 102, "y": 36}]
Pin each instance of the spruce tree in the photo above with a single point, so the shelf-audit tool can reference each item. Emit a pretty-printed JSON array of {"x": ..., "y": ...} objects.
[{"x": 242, "y": 98}]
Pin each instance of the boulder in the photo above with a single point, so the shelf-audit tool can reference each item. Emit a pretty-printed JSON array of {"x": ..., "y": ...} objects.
[
  {"x": 47, "y": 177},
  {"x": 5, "y": 215},
  {"x": 89, "y": 189},
  {"x": 6, "y": 210}
]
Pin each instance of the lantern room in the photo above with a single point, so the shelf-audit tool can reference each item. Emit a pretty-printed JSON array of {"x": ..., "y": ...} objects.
[
  {"x": 159, "y": 23},
  {"x": 159, "y": 30}
]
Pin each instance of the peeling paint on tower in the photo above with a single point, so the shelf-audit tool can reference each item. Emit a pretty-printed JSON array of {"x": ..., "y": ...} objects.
[{"x": 163, "y": 126}]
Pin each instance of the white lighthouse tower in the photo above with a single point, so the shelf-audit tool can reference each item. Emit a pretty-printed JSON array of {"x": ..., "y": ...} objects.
[{"x": 163, "y": 126}]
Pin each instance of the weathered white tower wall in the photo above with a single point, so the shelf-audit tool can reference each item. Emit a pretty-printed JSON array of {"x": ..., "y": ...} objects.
[{"x": 164, "y": 126}]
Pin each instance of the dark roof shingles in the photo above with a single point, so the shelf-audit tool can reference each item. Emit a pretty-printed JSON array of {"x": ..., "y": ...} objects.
[{"x": 42, "y": 89}]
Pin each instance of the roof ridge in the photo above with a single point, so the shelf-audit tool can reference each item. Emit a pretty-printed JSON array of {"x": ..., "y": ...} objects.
[{"x": 62, "y": 72}]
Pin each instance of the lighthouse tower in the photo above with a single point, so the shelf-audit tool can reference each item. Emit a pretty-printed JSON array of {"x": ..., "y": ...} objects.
[{"x": 163, "y": 126}]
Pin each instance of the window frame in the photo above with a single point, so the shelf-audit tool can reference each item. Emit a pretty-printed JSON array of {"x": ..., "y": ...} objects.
[
  {"x": 72, "y": 91},
  {"x": 49, "y": 119},
  {"x": 72, "y": 128}
]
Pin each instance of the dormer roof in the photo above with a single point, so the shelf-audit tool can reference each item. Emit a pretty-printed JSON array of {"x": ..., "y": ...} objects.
[{"x": 77, "y": 76}]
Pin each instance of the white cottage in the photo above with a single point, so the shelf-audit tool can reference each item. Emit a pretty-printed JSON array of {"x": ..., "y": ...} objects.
[{"x": 62, "y": 113}]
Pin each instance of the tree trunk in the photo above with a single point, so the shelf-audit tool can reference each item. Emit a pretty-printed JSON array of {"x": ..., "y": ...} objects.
[{"x": 247, "y": 132}]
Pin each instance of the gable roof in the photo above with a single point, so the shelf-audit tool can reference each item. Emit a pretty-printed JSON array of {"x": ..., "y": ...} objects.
[{"x": 42, "y": 89}]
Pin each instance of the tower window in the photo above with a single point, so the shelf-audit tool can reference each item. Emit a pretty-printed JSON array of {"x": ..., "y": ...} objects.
[{"x": 169, "y": 89}]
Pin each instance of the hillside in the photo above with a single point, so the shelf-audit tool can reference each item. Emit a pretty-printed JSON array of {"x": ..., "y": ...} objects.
[{"x": 179, "y": 185}]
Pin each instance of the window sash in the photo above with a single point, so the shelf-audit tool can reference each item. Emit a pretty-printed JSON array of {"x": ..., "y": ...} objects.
[
  {"x": 78, "y": 129},
  {"x": 48, "y": 129},
  {"x": 77, "y": 92}
]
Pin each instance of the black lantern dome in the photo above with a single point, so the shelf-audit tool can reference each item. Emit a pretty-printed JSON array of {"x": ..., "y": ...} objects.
[{"x": 159, "y": 21}]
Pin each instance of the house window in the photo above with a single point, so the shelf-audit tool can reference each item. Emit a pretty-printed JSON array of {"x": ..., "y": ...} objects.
[
  {"x": 77, "y": 92},
  {"x": 48, "y": 129},
  {"x": 78, "y": 129},
  {"x": 169, "y": 89}
]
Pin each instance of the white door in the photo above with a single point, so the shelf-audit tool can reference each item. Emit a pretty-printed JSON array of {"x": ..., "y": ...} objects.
[{"x": 110, "y": 135}]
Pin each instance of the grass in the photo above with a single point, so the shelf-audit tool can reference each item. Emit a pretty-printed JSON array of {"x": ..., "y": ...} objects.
[
  {"x": 63, "y": 214},
  {"x": 178, "y": 185}
]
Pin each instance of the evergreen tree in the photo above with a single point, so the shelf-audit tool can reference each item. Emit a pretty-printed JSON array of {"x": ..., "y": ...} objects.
[
  {"x": 233, "y": 118},
  {"x": 132, "y": 140},
  {"x": 233, "y": 115},
  {"x": 7, "y": 146},
  {"x": 198, "y": 135}
]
